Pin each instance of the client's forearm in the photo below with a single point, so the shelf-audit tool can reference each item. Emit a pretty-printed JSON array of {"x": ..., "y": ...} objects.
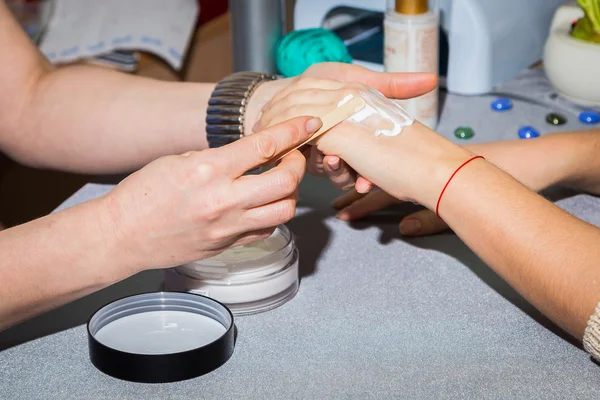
[
  {"x": 56, "y": 259},
  {"x": 547, "y": 255},
  {"x": 568, "y": 158}
]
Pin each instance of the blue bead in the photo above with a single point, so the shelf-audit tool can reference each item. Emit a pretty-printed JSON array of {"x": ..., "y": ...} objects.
[
  {"x": 528, "y": 132},
  {"x": 590, "y": 117},
  {"x": 502, "y": 104}
]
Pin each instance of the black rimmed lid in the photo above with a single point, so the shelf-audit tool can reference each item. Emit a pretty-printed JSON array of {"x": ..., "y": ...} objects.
[{"x": 161, "y": 337}]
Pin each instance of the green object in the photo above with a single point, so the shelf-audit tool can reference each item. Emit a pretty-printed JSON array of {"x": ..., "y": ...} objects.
[
  {"x": 464, "y": 132},
  {"x": 300, "y": 49},
  {"x": 555, "y": 119},
  {"x": 588, "y": 27}
]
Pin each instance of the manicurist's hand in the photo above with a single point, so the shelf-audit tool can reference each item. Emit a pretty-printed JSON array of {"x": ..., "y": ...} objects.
[
  {"x": 175, "y": 210},
  {"x": 325, "y": 76},
  {"x": 192, "y": 206}
]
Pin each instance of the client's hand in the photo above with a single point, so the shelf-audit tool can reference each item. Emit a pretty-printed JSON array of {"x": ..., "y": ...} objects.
[
  {"x": 392, "y": 85},
  {"x": 354, "y": 206},
  {"x": 562, "y": 159},
  {"x": 402, "y": 165}
]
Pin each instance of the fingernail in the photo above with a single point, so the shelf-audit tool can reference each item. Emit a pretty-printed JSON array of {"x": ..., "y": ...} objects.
[
  {"x": 313, "y": 125},
  {"x": 363, "y": 188},
  {"x": 334, "y": 164},
  {"x": 410, "y": 226},
  {"x": 344, "y": 215}
]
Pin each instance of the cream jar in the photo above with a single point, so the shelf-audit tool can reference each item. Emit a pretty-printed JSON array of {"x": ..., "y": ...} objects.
[{"x": 248, "y": 279}]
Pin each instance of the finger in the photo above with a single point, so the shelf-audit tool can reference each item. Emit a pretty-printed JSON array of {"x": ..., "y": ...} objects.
[
  {"x": 339, "y": 173},
  {"x": 305, "y": 83},
  {"x": 277, "y": 183},
  {"x": 393, "y": 85},
  {"x": 421, "y": 223},
  {"x": 314, "y": 164},
  {"x": 298, "y": 110},
  {"x": 347, "y": 199},
  {"x": 315, "y": 97},
  {"x": 253, "y": 236},
  {"x": 363, "y": 185},
  {"x": 273, "y": 214},
  {"x": 366, "y": 205},
  {"x": 255, "y": 150},
  {"x": 305, "y": 150}
]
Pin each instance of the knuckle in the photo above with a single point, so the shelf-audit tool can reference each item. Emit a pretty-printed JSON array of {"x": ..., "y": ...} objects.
[
  {"x": 205, "y": 171},
  {"x": 430, "y": 221},
  {"x": 345, "y": 185},
  {"x": 211, "y": 213},
  {"x": 287, "y": 181},
  {"x": 287, "y": 210},
  {"x": 212, "y": 208},
  {"x": 265, "y": 146},
  {"x": 216, "y": 235},
  {"x": 292, "y": 131}
]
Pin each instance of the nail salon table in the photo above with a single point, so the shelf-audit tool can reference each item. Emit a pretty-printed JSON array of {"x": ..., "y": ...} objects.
[{"x": 377, "y": 316}]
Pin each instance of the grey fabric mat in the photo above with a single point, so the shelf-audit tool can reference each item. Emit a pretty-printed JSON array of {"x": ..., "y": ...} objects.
[{"x": 376, "y": 317}]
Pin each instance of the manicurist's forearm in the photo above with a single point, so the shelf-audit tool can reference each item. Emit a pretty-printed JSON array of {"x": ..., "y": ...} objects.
[
  {"x": 546, "y": 254},
  {"x": 90, "y": 119},
  {"x": 93, "y": 120},
  {"x": 56, "y": 259}
]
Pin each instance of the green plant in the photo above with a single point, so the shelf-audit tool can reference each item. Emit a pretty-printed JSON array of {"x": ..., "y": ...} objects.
[{"x": 588, "y": 27}]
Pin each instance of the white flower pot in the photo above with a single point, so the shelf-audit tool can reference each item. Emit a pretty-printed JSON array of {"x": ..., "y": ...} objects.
[{"x": 572, "y": 65}]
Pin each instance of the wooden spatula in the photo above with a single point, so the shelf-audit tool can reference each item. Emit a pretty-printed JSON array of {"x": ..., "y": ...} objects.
[{"x": 329, "y": 120}]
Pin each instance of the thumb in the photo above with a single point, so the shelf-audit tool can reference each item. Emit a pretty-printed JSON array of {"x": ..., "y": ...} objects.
[
  {"x": 398, "y": 85},
  {"x": 251, "y": 151},
  {"x": 422, "y": 223}
]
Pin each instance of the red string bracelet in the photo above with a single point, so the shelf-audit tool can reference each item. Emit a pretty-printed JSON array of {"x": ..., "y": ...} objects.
[{"x": 437, "y": 207}]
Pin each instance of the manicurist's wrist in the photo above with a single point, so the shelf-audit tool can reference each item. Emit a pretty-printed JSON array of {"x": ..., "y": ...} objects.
[{"x": 118, "y": 239}]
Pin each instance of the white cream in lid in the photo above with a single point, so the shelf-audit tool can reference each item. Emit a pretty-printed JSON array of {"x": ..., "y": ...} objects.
[
  {"x": 160, "y": 332},
  {"x": 160, "y": 337}
]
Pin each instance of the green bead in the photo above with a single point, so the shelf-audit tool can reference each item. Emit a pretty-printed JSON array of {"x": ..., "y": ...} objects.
[
  {"x": 464, "y": 132},
  {"x": 555, "y": 119}
]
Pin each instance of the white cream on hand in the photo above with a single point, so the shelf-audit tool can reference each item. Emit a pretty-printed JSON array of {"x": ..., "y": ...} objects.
[{"x": 384, "y": 115}]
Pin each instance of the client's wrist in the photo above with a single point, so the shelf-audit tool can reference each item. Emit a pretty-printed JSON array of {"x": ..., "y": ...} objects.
[
  {"x": 436, "y": 159},
  {"x": 259, "y": 98}
]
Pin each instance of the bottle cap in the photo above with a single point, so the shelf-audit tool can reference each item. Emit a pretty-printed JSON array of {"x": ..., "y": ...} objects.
[
  {"x": 161, "y": 337},
  {"x": 412, "y": 7}
]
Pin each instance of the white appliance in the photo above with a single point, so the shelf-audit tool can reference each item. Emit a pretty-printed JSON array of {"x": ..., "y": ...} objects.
[{"x": 486, "y": 42}]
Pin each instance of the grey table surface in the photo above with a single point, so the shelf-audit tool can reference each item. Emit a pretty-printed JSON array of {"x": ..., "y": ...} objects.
[{"x": 377, "y": 316}]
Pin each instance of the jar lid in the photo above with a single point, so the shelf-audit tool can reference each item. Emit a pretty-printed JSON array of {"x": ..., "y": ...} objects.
[{"x": 161, "y": 337}]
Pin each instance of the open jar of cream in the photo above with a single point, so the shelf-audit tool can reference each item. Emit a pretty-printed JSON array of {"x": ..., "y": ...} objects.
[{"x": 248, "y": 279}]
